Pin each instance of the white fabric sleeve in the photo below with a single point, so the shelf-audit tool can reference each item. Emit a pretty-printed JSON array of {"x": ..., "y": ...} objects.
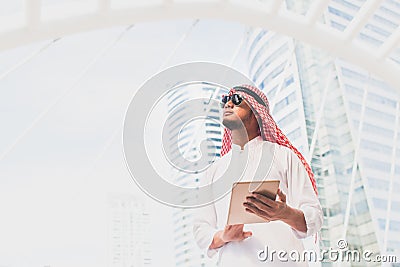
[
  {"x": 205, "y": 222},
  {"x": 301, "y": 196}
]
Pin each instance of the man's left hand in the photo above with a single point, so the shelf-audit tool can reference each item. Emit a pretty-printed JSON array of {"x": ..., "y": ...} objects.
[{"x": 262, "y": 206}]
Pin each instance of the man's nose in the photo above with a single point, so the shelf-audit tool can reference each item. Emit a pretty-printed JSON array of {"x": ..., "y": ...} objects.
[{"x": 229, "y": 104}]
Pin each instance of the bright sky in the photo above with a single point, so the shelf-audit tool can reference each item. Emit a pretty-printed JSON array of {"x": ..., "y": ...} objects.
[{"x": 61, "y": 155}]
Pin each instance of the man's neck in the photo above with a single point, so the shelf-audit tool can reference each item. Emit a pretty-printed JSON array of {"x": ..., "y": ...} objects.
[{"x": 240, "y": 137}]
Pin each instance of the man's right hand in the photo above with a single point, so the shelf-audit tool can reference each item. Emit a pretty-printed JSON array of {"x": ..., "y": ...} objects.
[{"x": 229, "y": 234}]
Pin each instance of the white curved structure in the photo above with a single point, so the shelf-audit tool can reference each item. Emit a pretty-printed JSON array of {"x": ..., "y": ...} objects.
[{"x": 40, "y": 22}]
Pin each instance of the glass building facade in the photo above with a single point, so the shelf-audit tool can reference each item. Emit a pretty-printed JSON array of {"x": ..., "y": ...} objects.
[
  {"x": 345, "y": 121},
  {"x": 129, "y": 232},
  {"x": 186, "y": 147}
]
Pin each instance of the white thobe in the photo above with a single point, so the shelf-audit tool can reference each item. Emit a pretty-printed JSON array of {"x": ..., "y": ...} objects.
[{"x": 282, "y": 165}]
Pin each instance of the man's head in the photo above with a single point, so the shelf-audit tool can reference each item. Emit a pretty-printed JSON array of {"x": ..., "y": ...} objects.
[{"x": 237, "y": 113}]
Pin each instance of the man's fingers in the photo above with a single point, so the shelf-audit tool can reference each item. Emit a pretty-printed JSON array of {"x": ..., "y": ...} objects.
[
  {"x": 237, "y": 226},
  {"x": 263, "y": 199},
  {"x": 282, "y": 196},
  {"x": 249, "y": 207},
  {"x": 235, "y": 233},
  {"x": 249, "y": 210},
  {"x": 258, "y": 204},
  {"x": 264, "y": 217},
  {"x": 247, "y": 234},
  {"x": 234, "y": 228}
]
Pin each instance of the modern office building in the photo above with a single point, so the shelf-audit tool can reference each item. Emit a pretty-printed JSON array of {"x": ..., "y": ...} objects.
[
  {"x": 344, "y": 121},
  {"x": 186, "y": 148},
  {"x": 129, "y": 232}
]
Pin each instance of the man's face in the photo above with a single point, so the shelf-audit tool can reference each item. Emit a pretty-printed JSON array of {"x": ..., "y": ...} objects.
[{"x": 237, "y": 116}]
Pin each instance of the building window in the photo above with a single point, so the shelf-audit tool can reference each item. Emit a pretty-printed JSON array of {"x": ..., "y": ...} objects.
[
  {"x": 380, "y": 203},
  {"x": 376, "y": 164},
  {"x": 294, "y": 134},
  {"x": 353, "y": 75},
  {"x": 355, "y": 107},
  {"x": 338, "y": 26},
  {"x": 394, "y": 226},
  {"x": 370, "y": 39},
  {"x": 292, "y": 117},
  {"x": 385, "y": 21},
  {"x": 381, "y": 100},
  {"x": 382, "y": 224},
  {"x": 362, "y": 207},
  {"x": 395, "y": 206},
  {"x": 285, "y": 102},
  {"x": 351, "y": 89},
  {"x": 288, "y": 81},
  {"x": 377, "y": 30},
  {"x": 258, "y": 38},
  {"x": 340, "y": 13},
  {"x": 347, "y": 4},
  {"x": 377, "y": 130},
  {"x": 273, "y": 74},
  {"x": 377, "y": 147},
  {"x": 390, "y": 12},
  {"x": 378, "y": 184},
  {"x": 278, "y": 53},
  {"x": 370, "y": 112}
]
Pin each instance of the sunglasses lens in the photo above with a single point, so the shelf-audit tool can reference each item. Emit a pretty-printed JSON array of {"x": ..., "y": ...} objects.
[
  {"x": 236, "y": 99},
  {"x": 224, "y": 99}
]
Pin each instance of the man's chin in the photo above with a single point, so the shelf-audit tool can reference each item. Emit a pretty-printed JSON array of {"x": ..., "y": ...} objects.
[
  {"x": 231, "y": 124},
  {"x": 227, "y": 123}
]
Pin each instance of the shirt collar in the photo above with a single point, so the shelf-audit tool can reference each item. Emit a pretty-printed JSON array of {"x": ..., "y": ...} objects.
[{"x": 249, "y": 145}]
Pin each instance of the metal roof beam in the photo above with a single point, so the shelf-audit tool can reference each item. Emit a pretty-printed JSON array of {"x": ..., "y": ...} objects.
[
  {"x": 248, "y": 13},
  {"x": 316, "y": 10}
]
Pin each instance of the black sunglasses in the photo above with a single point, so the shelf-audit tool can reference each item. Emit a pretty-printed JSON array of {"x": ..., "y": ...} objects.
[{"x": 236, "y": 99}]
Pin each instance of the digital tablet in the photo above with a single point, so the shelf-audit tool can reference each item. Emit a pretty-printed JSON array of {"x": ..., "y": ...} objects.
[{"x": 240, "y": 190}]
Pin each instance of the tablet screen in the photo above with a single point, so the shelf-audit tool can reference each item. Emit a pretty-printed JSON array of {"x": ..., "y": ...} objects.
[{"x": 240, "y": 190}]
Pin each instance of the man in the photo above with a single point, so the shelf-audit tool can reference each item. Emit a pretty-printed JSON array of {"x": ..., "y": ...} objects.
[{"x": 295, "y": 214}]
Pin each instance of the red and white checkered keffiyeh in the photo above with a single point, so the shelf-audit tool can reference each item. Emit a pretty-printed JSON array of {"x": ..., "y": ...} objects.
[{"x": 269, "y": 132}]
